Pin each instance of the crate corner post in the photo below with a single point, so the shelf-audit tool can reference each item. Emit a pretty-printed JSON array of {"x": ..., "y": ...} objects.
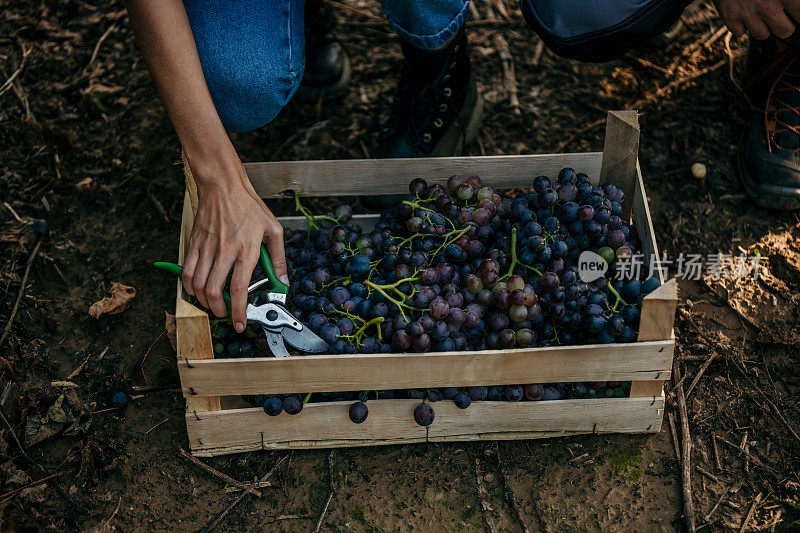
[
  {"x": 620, "y": 154},
  {"x": 656, "y": 323}
]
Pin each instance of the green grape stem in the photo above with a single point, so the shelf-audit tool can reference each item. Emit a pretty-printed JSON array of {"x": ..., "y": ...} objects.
[
  {"x": 617, "y": 295},
  {"x": 401, "y": 305},
  {"x": 514, "y": 260},
  {"x": 358, "y": 335},
  {"x": 307, "y": 397},
  {"x": 312, "y": 219}
]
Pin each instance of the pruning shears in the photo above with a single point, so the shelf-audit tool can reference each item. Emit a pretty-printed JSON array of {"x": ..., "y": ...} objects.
[{"x": 278, "y": 323}]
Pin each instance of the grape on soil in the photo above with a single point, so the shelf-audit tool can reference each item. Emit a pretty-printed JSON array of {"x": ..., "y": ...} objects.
[{"x": 462, "y": 266}]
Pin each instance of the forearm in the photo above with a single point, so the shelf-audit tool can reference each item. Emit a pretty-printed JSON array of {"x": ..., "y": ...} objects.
[{"x": 165, "y": 39}]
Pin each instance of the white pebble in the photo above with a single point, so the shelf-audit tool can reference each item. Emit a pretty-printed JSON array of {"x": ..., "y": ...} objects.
[{"x": 699, "y": 170}]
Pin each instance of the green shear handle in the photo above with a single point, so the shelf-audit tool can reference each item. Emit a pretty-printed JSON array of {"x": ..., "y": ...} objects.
[{"x": 277, "y": 285}]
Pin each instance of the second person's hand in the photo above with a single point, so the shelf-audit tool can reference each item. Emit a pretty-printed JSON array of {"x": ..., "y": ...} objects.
[{"x": 230, "y": 225}]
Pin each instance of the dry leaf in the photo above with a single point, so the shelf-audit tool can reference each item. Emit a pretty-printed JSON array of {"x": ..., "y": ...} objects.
[
  {"x": 169, "y": 325},
  {"x": 120, "y": 300}
]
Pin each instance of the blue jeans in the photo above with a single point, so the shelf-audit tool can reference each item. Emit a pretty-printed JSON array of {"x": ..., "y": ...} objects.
[{"x": 252, "y": 51}]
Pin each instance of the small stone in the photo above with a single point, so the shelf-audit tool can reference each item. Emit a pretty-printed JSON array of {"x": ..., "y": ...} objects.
[
  {"x": 699, "y": 170},
  {"x": 488, "y": 477}
]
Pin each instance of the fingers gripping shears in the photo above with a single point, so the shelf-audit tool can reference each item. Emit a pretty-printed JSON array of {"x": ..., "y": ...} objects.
[{"x": 273, "y": 316}]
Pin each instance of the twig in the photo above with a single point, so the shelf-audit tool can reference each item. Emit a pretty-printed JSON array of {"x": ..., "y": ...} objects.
[
  {"x": 355, "y": 10},
  {"x": 241, "y": 496},
  {"x": 13, "y": 213},
  {"x": 10, "y": 494},
  {"x": 110, "y": 518},
  {"x": 717, "y": 462},
  {"x": 331, "y": 490},
  {"x": 750, "y": 512},
  {"x": 7, "y": 84},
  {"x": 507, "y": 62},
  {"x": 253, "y": 485},
  {"x": 706, "y": 473},
  {"x": 100, "y": 42},
  {"x": 154, "y": 427},
  {"x": 294, "y": 516},
  {"x": 686, "y": 448},
  {"x": 14, "y": 309},
  {"x": 483, "y": 494},
  {"x": 537, "y": 53},
  {"x": 213, "y": 471},
  {"x": 746, "y": 448},
  {"x": 699, "y": 374},
  {"x": 80, "y": 367},
  {"x": 674, "y": 436},
  {"x": 770, "y": 471},
  {"x": 19, "y": 444},
  {"x": 509, "y": 491},
  {"x": 716, "y": 506}
]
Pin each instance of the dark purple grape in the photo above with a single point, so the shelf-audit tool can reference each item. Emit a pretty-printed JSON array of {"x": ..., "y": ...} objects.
[
  {"x": 586, "y": 213},
  {"x": 453, "y": 182},
  {"x": 478, "y": 393},
  {"x": 462, "y": 400},
  {"x": 439, "y": 308},
  {"x": 424, "y": 415},
  {"x": 435, "y": 396},
  {"x": 551, "y": 393},
  {"x": 421, "y": 343},
  {"x": 401, "y": 341},
  {"x": 418, "y": 187},
  {"x": 507, "y": 338},
  {"x": 513, "y": 393},
  {"x": 358, "y": 412},
  {"x": 533, "y": 392},
  {"x": 273, "y": 406},
  {"x": 292, "y": 404},
  {"x": 474, "y": 181},
  {"x": 497, "y": 321}
]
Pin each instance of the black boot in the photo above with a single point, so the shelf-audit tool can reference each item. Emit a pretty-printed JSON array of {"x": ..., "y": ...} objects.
[
  {"x": 437, "y": 107},
  {"x": 769, "y": 156},
  {"x": 327, "y": 73}
]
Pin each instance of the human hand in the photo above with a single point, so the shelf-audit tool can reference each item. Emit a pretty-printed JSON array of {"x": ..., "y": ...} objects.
[
  {"x": 231, "y": 223},
  {"x": 761, "y": 18}
]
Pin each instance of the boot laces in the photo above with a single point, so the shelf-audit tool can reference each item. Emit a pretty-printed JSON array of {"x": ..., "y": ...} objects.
[
  {"x": 782, "y": 103},
  {"x": 427, "y": 107}
]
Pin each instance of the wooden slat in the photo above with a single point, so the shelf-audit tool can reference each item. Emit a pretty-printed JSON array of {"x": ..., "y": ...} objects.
[
  {"x": 326, "y": 373},
  {"x": 326, "y": 425},
  {"x": 644, "y": 224},
  {"x": 192, "y": 327},
  {"x": 658, "y": 312},
  {"x": 620, "y": 154},
  {"x": 391, "y": 176},
  {"x": 620, "y": 415},
  {"x": 367, "y": 222}
]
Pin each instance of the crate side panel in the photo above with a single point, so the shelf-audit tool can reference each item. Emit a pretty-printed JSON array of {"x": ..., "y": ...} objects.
[
  {"x": 391, "y": 176},
  {"x": 325, "y": 373},
  {"x": 241, "y": 430},
  {"x": 387, "y": 420},
  {"x": 618, "y": 415}
]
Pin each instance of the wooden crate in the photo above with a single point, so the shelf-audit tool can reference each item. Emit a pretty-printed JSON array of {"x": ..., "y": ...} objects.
[{"x": 217, "y": 422}]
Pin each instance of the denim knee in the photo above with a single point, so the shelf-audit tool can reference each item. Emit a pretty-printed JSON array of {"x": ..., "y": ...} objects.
[
  {"x": 588, "y": 30},
  {"x": 252, "y": 53},
  {"x": 426, "y": 24},
  {"x": 248, "y": 98}
]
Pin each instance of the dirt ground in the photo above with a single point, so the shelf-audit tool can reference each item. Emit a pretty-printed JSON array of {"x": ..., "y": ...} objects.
[{"x": 86, "y": 145}]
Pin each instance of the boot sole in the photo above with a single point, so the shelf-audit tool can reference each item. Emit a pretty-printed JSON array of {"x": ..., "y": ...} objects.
[
  {"x": 312, "y": 94},
  {"x": 454, "y": 141},
  {"x": 765, "y": 194}
]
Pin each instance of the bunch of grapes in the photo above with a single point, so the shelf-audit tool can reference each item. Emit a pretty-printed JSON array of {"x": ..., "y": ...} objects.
[{"x": 459, "y": 267}]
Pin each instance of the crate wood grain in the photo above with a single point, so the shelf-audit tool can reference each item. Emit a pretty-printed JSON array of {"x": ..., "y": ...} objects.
[
  {"x": 323, "y": 425},
  {"x": 218, "y": 426}
]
